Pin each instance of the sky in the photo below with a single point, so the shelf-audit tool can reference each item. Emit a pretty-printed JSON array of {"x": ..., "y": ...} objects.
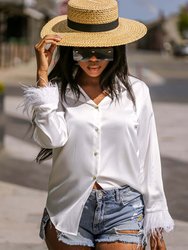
[{"x": 148, "y": 10}]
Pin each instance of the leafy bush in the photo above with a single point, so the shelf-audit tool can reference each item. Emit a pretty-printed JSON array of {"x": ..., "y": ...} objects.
[{"x": 183, "y": 20}]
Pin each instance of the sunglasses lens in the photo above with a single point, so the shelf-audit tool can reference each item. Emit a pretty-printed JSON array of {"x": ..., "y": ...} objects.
[
  {"x": 84, "y": 54},
  {"x": 77, "y": 55}
]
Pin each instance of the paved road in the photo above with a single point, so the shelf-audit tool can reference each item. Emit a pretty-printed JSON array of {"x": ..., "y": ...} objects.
[{"x": 173, "y": 70}]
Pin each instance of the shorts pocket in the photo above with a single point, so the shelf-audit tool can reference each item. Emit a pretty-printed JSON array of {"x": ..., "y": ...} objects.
[
  {"x": 129, "y": 195},
  {"x": 133, "y": 200},
  {"x": 138, "y": 208}
]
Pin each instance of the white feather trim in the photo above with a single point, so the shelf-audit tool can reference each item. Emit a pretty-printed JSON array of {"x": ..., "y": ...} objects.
[
  {"x": 34, "y": 97},
  {"x": 155, "y": 221}
]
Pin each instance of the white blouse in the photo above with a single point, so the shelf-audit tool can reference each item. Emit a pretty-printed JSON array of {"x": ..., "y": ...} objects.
[{"x": 111, "y": 143}]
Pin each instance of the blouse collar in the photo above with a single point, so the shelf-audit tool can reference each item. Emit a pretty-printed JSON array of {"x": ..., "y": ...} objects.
[{"x": 119, "y": 88}]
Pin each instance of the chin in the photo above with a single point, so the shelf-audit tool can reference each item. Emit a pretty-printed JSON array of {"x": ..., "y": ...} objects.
[{"x": 93, "y": 75}]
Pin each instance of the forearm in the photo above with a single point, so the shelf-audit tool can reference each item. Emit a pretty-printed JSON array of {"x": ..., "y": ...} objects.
[
  {"x": 44, "y": 57},
  {"x": 42, "y": 78}
]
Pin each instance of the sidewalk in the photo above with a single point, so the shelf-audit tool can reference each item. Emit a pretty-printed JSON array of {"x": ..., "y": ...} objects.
[
  {"x": 21, "y": 207},
  {"x": 21, "y": 74}
]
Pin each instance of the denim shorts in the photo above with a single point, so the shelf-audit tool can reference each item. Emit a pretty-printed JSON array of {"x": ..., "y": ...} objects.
[{"x": 106, "y": 216}]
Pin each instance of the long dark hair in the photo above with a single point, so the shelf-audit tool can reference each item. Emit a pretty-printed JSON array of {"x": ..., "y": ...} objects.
[{"x": 63, "y": 74}]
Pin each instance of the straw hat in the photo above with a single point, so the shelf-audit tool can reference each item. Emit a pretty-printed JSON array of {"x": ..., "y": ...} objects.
[{"x": 94, "y": 23}]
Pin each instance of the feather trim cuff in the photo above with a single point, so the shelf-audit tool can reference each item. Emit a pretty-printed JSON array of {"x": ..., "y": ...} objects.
[
  {"x": 156, "y": 222},
  {"x": 35, "y": 97}
]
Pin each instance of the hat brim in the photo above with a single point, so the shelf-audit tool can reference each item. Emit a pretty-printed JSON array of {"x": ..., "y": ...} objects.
[{"x": 128, "y": 31}]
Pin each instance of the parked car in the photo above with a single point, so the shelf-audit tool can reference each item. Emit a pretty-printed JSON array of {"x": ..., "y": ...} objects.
[{"x": 181, "y": 50}]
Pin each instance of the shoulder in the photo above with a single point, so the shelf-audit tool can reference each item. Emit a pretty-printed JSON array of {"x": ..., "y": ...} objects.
[
  {"x": 142, "y": 94},
  {"x": 138, "y": 86}
]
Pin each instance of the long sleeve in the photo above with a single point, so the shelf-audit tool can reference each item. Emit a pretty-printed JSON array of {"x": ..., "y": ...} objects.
[
  {"x": 49, "y": 122},
  {"x": 156, "y": 210}
]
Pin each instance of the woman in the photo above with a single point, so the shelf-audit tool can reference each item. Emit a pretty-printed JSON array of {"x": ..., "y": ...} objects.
[{"x": 97, "y": 123}]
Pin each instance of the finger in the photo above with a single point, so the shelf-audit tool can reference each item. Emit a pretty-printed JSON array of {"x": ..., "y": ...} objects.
[
  {"x": 52, "y": 36},
  {"x": 52, "y": 48},
  {"x": 42, "y": 47},
  {"x": 47, "y": 40}
]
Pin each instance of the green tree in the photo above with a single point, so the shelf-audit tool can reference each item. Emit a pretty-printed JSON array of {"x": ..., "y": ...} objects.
[{"x": 183, "y": 20}]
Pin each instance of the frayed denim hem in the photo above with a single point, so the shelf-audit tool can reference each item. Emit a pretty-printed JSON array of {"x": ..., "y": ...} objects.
[
  {"x": 61, "y": 238},
  {"x": 140, "y": 244},
  {"x": 60, "y": 235},
  {"x": 66, "y": 241}
]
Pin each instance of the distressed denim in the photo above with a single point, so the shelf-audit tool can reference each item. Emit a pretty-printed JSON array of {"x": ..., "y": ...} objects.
[{"x": 105, "y": 215}]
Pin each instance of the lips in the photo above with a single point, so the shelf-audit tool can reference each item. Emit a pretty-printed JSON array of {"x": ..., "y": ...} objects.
[{"x": 94, "y": 67}]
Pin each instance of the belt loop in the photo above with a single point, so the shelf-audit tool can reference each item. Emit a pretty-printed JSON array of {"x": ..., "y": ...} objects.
[{"x": 118, "y": 195}]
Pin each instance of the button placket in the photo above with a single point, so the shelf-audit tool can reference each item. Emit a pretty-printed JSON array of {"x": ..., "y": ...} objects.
[
  {"x": 95, "y": 153},
  {"x": 96, "y": 146},
  {"x": 97, "y": 130}
]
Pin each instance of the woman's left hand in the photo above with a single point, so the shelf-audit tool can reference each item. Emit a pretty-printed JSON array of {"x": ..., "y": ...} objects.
[{"x": 157, "y": 242}]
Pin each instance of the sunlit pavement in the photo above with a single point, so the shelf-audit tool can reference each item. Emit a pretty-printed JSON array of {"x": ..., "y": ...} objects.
[{"x": 23, "y": 183}]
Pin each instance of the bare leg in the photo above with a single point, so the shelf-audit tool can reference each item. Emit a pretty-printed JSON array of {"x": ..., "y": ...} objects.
[{"x": 117, "y": 246}]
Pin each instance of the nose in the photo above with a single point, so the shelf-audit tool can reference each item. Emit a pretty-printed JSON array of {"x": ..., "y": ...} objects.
[{"x": 93, "y": 59}]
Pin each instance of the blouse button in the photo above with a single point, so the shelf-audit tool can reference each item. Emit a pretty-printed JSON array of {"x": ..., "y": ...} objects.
[
  {"x": 95, "y": 153},
  {"x": 97, "y": 130},
  {"x": 100, "y": 195},
  {"x": 96, "y": 107}
]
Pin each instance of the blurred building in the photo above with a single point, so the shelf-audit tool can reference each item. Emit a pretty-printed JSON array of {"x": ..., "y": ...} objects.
[
  {"x": 20, "y": 24},
  {"x": 47, "y": 7},
  {"x": 162, "y": 34},
  {"x": 62, "y": 7}
]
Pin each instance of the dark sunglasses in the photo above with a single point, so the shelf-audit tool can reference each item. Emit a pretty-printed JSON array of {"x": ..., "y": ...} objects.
[{"x": 84, "y": 54}]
